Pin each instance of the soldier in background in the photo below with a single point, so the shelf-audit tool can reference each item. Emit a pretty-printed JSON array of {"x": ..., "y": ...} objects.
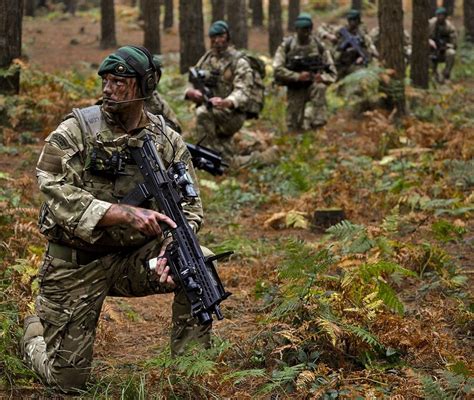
[
  {"x": 354, "y": 47},
  {"x": 229, "y": 76},
  {"x": 306, "y": 68},
  {"x": 443, "y": 42}
]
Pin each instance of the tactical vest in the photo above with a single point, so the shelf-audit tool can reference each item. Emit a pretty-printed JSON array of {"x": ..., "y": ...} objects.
[{"x": 109, "y": 174}]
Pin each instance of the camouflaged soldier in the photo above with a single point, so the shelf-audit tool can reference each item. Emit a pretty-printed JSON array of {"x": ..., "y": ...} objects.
[
  {"x": 98, "y": 247},
  {"x": 229, "y": 77},
  {"x": 443, "y": 38},
  {"x": 375, "y": 36},
  {"x": 354, "y": 47},
  {"x": 306, "y": 68}
]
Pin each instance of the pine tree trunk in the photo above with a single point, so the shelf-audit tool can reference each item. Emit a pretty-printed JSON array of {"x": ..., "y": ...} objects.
[
  {"x": 191, "y": 33},
  {"x": 237, "y": 18},
  {"x": 169, "y": 15},
  {"x": 433, "y": 5},
  {"x": 107, "y": 24},
  {"x": 469, "y": 20},
  {"x": 257, "y": 13},
  {"x": 275, "y": 30},
  {"x": 11, "y": 14},
  {"x": 30, "y": 6},
  {"x": 357, "y": 4},
  {"x": 449, "y": 5},
  {"x": 390, "y": 13},
  {"x": 151, "y": 19},
  {"x": 218, "y": 10},
  {"x": 293, "y": 11},
  {"x": 71, "y": 6},
  {"x": 420, "y": 58}
]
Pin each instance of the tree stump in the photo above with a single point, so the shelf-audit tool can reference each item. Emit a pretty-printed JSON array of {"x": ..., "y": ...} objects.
[{"x": 324, "y": 218}]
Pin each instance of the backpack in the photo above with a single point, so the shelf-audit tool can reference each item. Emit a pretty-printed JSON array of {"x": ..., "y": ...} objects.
[{"x": 257, "y": 92}]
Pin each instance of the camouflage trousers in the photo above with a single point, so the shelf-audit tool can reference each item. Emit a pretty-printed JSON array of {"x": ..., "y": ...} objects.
[
  {"x": 69, "y": 305},
  {"x": 307, "y": 107},
  {"x": 217, "y": 126},
  {"x": 448, "y": 59}
]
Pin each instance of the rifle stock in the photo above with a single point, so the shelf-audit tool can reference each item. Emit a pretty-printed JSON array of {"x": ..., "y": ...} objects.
[
  {"x": 206, "y": 159},
  {"x": 198, "y": 83}
]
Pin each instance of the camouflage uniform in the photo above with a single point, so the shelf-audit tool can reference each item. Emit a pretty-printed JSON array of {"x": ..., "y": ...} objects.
[
  {"x": 445, "y": 37},
  {"x": 307, "y": 106},
  {"x": 346, "y": 58},
  {"x": 85, "y": 263},
  {"x": 157, "y": 105},
  {"x": 215, "y": 127}
]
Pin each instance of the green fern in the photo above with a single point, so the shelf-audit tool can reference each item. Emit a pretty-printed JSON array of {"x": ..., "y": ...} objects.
[
  {"x": 281, "y": 378},
  {"x": 375, "y": 270},
  {"x": 344, "y": 230},
  {"x": 364, "y": 335},
  {"x": 354, "y": 237},
  {"x": 240, "y": 376},
  {"x": 390, "y": 298},
  {"x": 433, "y": 390}
]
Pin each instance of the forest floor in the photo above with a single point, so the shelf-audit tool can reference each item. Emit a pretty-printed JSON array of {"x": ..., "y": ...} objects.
[{"x": 133, "y": 330}]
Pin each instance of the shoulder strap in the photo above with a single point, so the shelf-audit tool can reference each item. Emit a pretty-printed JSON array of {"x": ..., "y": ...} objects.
[
  {"x": 288, "y": 43},
  {"x": 90, "y": 120},
  {"x": 203, "y": 58}
]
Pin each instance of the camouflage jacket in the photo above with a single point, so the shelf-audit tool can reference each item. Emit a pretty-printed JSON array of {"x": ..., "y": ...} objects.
[
  {"x": 445, "y": 33},
  {"x": 78, "y": 189},
  {"x": 233, "y": 73},
  {"x": 348, "y": 56},
  {"x": 157, "y": 105},
  {"x": 290, "y": 48}
]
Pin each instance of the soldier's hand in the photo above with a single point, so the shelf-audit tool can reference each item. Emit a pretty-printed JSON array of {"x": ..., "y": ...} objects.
[
  {"x": 162, "y": 268},
  {"x": 144, "y": 220},
  {"x": 195, "y": 95},
  {"x": 219, "y": 102},
  {"x": 317, "y": 78},
  {"x": 304, "y": 76},
  {"x": 432, "y": 44},
  {"x": 359, "y": 60}
]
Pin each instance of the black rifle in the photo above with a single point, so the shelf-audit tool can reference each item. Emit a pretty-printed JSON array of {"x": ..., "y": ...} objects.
[
  {"x": 312, "y": 64},
  {"x": 195, "y": 273},
  {"x": 197, "y": 78},
  {"x": 206, "y": 159},
  {"x": 353, "y": 41}
]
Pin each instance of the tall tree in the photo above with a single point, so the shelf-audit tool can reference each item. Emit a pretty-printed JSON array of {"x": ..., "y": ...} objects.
[
  {"x": 420, "y": 58},
  {"x": 71, "y": 6},
  {"x": 357, "y": 4},
  {"x": 169, "y": 14},
  {"x": 191, "y": 33},
  {"x": 30, "y": 6},
  {"x": 218, "y": 10},
  {"x": 433, "y": 4},
  {"x": 449, "y": 5},
  {"x": 390, "y": 14},
  {"x": 257, "y": 13},
  {"x": 151, "y": 19},
  {"x": 107, "y": 24},
  {"x": 275, "y": 30},
  {"x": 11, "y": 14},
  {"x": 293, "y": 11},
  {"x": 237, "y": 19},
  {"x": 468, "y": 7}
]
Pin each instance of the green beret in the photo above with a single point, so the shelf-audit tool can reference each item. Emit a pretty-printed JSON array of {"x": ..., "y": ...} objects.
[
  {"x": 441, "y": 10},
  {"x": 218, "y": 28},
  {"x": 353, "y": 14},
  {"x": 116, "y": 64},
  {"x": 303, "y": 21}
]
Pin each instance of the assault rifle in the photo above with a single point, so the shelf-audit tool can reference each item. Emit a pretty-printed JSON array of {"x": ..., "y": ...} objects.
[
  {"x": 307, "y": 63},
  {"x": 197, "y": 78},
  {"x": 194, "y": 272},
  {"x": 353, "y": 41},
  {"x": 206, "y": 159},
  {"x": 436, "y": 55}
]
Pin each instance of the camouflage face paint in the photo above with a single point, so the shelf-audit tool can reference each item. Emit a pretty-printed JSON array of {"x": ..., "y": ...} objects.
[{"x": 117, "y": 90}]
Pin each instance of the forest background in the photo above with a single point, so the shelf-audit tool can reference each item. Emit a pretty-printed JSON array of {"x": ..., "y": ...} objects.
[{"x": 377, "y": 306}]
